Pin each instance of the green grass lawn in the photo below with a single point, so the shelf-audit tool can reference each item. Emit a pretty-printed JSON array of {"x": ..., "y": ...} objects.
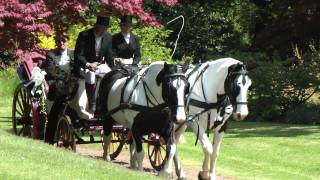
[
  {"x": 253, "y": 150},
  {"x": 22, "y": 158},
  {"x": 250, "y": 150}
]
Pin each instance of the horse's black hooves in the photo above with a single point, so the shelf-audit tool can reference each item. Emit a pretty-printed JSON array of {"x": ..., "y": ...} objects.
[{"x": 201, "y": 178}]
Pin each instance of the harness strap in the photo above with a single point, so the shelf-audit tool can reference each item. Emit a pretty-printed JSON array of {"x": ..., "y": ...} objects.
[
  {"x": 200, "y": 74},
  {"x": 124, "y": 87},
  {"x": 193, "y": 70},
  {"x": 208, "y": 123},
  {"x": 136, "y": 85},
  {"x": 146, "y": 92},
  {"x": 203, "y": 105},
  {"x": 197, "y": 133},
  {"x": 135, "y": 107}
]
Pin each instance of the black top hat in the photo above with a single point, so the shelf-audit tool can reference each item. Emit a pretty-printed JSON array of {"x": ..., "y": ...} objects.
[
  {"x": 126, "y": 19},
  {"x": 62, "y": 37},
  {"x": 103, "y": 20}
]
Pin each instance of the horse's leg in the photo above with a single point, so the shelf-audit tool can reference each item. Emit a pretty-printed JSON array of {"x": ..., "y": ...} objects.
[
  {"x": 106, "y": 143},
  {"x": 137, "y": 136},
  {"x": 179, "y": 170},
  {"x": 133, "y": 155},
  {"x": 171, "y": 150},
  {"x": 207, "y": 150},
  {"x": 216, "y": 147},
  {"x": 107, "y": 129},
  {"x": 178, "y": 167}
]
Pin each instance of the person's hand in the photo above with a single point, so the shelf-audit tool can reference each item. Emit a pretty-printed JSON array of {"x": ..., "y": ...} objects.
[
  {"x": 118, "y": 61},
  {"x": 91, "y": 66}
]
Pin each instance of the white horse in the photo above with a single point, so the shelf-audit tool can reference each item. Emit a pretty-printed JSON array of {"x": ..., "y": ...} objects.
[
  {"x": 152, "y": 86},
  {"x": 208, "y": 82}
]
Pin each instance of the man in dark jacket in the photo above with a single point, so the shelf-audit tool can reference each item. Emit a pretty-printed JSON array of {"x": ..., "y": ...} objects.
[
  {"x": 58, "y": 66},
  {"x": 93, "y": 46}
]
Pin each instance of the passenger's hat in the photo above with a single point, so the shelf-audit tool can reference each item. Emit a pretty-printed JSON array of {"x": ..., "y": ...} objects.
[
  {"x": 126, "y": 20},
  {"x": 103, "y": 21},
  {"x": 62, "y": 37}
]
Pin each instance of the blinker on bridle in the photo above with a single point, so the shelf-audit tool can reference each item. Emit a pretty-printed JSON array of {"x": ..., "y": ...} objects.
[
  {"x": 233, "y": 99},
  {"x": 181, "y": 76}
]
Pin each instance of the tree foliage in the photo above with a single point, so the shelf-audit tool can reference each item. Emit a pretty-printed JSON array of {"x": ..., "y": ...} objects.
[
  {"x": 213, "y": 27},
  {"x": 279, "y": 24},
  {"x": 279, "y": 86},
  {"x": 22, "y": 20},
  {"x": 152, "y": 39}
]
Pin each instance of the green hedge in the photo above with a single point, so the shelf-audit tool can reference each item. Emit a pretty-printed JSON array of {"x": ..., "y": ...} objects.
[
  {"x": 282, "y": 88},
  {"x": 8, "y": 82}
]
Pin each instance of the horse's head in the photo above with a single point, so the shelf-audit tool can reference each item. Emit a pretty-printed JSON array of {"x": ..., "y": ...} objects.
[
  {"x": 236, "y": 86},
  {"x": 174, "y": 88}
]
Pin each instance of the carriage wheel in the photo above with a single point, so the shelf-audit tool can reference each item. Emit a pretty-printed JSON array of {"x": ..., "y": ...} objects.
[
  {"x": 156, "y": 151},
  {"x": 116, "y": 143},
  {"x": 22, "y": 112},
  {"x": 64, "y": 135}
]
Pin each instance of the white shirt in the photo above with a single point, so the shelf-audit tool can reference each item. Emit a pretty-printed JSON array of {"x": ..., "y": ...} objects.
[
  {"x": 64, "y": 61},
  {"x": 97, "y": 44},
  {"x": 126, "y": 37}
]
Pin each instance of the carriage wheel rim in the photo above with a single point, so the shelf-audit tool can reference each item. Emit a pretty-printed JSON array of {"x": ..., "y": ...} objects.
[
  {"x": 22, "y": 112},
  {"x": 157, "y": 152},
  {"x": 64, "y": 135},
  {"x": 116, "y": 144}
]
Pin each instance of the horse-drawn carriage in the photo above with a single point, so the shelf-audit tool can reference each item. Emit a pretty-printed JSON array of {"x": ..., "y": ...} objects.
[
  {"x": 66, "y": 122},
  {"x": 69, "y": 122}
]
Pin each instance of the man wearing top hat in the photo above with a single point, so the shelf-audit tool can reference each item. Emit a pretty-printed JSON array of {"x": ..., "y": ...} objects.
[{"x": 93, "y": 46}]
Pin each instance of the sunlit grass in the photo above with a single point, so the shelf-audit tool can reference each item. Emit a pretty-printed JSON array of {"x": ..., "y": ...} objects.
[
  {"x": 250, "y": 150},
  {"x": 23, "y": 158}
]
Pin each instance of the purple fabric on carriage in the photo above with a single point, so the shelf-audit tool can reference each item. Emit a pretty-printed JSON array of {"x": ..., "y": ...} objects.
[{"x": 30, "y": 63}]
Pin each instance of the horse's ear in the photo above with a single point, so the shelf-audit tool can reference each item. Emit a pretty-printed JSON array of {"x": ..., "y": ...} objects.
[
  {"x": 185, "y": 67},
  {"x": 166, "y": 66},
  {"x": 232, "y": 68},
  {"x": 160, "y": 76}
]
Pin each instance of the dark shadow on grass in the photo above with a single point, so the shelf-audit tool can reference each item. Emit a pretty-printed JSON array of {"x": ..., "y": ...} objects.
[
  {"x": 10, "y": 131},
  {"x": 4, "y": 119},
  {"x": 126, "y": 164},
  {"x": 258, "y": 129},
  {"x": 263, "y": 129}
]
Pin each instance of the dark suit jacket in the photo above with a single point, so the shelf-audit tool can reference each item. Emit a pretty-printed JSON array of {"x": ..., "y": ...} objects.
[
  {"x": 85, "y": 48},
  {"x": 49, "y": 64},
  {"x": 123, "y": 50}
]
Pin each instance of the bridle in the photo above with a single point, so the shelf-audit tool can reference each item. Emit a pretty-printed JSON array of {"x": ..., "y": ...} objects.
[
  {"x": 232, "y": 91},
  {"x": 168, "y": 79}
]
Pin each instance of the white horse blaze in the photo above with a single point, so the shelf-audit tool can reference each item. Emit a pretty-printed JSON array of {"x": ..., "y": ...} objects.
[
  {"x": 180, "y": 86},
  {"x": 242, "y": 109}
]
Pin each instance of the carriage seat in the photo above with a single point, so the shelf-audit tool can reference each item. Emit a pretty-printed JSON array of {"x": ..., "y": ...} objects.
[{"x": 25, "y": 69}]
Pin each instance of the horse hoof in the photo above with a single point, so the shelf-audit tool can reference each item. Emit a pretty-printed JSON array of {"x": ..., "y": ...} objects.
[
  {"x": 182, "y": 178},
  {"x": 165, "y": 175},
  {"x": 201, "y": 178},
  {"x": 107, "y": 158}
]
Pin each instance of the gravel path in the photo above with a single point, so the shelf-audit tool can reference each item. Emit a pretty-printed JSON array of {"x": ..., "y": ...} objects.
[{"x": 123, "y": 159}]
